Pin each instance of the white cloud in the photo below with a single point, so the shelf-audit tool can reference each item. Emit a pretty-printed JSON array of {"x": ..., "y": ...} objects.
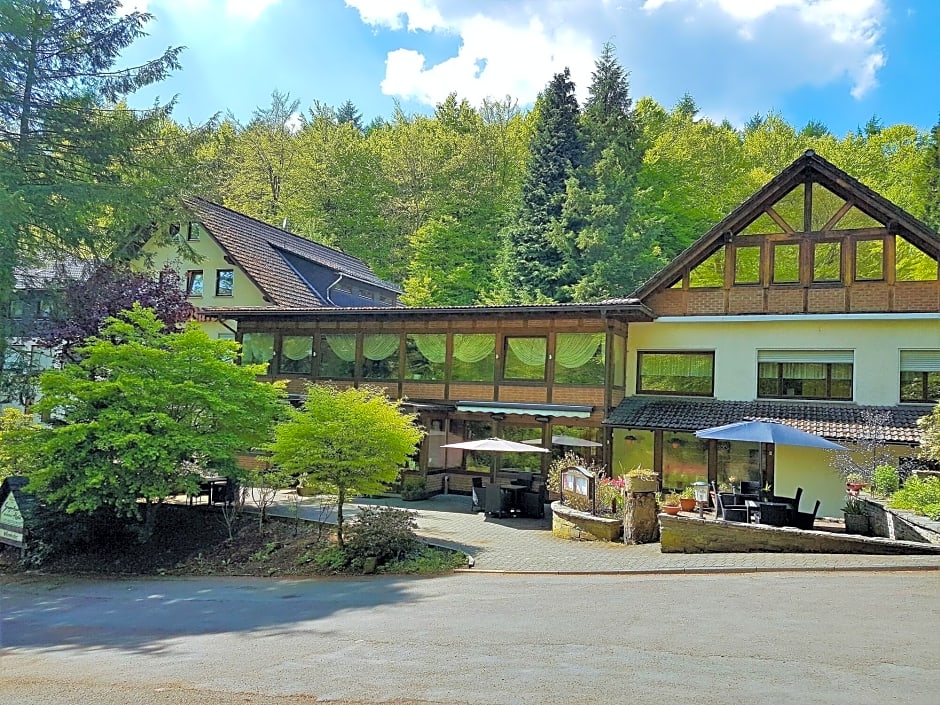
[
  {"x": 737, "y": 55},
  {"x": 247, "y": 10}
]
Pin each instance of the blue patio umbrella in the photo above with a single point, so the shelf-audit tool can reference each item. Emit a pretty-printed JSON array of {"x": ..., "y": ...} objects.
[{"x": 767, "y": 432}]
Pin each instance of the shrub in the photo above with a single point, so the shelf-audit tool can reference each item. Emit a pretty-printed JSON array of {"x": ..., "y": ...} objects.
[
  {"x": 330, "y": 559},
  {"x": 920, "y": 495},
  {"x": 885, "y": 480},
  {"x": 413, "y": 489},
  {"x": 383, "y": 533},
  {"x": 427, "y": 561}
]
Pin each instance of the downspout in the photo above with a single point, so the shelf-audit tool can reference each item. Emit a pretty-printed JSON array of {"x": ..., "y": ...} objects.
[{"x": 327, "y": 292}]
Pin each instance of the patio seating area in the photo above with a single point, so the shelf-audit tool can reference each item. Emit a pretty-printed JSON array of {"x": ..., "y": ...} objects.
[
  {"x": 511, "y": 494},
  {"x": 774, "y": 510}
]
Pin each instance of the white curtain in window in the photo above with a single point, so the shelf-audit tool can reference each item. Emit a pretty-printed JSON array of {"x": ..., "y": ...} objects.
[
  {"x": 296, "y": 348},
  {"x": 379, "y": 347},
  {"x": 343, "y": 346},
  {"x": 573, "y": 350},
  {"x": 473, "y": 347},
  {"x": 257, "y": 347},
  {"x": 678, "y": 365},
  {"x": 529, "y": 351},
  {"x": 804, "y": 370},
  {"x": 432, "y": 346}
]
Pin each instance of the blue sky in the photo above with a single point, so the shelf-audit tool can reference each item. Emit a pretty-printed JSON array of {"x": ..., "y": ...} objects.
[{"x": 837, "y": 61}]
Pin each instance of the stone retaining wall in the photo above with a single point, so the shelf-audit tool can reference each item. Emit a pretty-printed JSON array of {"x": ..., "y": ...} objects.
[
  {"x": 890, "y": 524},
  {"x": 686, "y": 535},
  {"x": 568, "y": 523}
]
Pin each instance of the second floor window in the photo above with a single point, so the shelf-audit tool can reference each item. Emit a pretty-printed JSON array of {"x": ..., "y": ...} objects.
[
  {"x": 524, "y": 359},
  {"x": 805, "y": 375},
  {"x": 691, "y": 373},
  {"x": 920, "y": 376},
  {"x": 194, "y": 282},
  {"x": 224, "y": 282}
]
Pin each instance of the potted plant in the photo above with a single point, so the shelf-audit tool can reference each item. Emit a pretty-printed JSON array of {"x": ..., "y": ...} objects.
[
  {"x": 856, "y": 518},
  {"x": 767, "y": 493},
  {"x": 670, "y": 503},
  {"x": 641, "y": 480},
  {"x": 687, "y": 499},
  {"x": 854, "y": 482}
]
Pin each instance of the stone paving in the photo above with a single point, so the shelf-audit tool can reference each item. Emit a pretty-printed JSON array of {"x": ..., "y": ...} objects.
[{"x": 528, "y": 545}]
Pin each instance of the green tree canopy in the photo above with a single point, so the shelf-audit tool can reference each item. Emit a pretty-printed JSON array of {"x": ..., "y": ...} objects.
[
  {"x": 347, "y": 441},
  {"x": 141, "y": 414}
]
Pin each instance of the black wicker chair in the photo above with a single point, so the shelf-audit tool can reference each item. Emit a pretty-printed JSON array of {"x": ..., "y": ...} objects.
[
  {"x": 477, "y": 495},
  {"x": 793, "y": 502},
  {"x": 533, "y": 502},
  {"x": 806, "y": 520},
  {"x": 497, "y": 500},
  {"x": 729, "y": 512},
  {"x": 773, "y": 514}
]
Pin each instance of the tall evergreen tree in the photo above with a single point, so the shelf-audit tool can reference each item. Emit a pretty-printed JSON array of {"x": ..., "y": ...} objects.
[
  {"x": 535, "y": 266},
  {"x": 932, "y": 195},
  {"x": 72, "y": 155},
  {"x": 599, "y": 209},
  {"x": 349, "y": 113}
]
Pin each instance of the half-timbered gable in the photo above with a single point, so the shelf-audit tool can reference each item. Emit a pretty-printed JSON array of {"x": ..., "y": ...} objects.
[{"x": 813, "y": 240}]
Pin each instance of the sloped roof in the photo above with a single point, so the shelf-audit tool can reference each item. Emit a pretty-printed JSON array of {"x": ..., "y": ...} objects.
[
  {"x": 809, "y": 166},
  {"x": 256, "y": 247},
  {"x": 40, "y": 277},
  {"x": 835, "y": 421}
]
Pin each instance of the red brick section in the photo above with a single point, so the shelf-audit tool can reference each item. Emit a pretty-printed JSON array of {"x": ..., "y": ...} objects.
[
  {"x": 750, "y": 300},
  {"x": 917, "y": 296},
  {"x": 706, "y": 303},
  {"x": 825, "y": 300},
  {"x": 785, "y": 300},
  {"x": 534, "y": 395},
  {"x": 870, "y": 297}
]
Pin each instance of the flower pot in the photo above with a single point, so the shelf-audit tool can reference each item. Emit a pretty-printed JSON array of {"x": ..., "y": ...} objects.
[
  {"x": 637, "y": 484},
  {"x": 856, "y": 524},
  {"x": 854, "y": 487},
  {"x": 687, "y": 504},
  {"x": 671, "y": 509}
]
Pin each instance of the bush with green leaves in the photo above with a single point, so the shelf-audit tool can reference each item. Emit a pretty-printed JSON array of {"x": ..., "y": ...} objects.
[
  {"x": 383, "y": 533},
  {"x": 885, "y": 480},
  {"x": 414, "y": 489},
  {"x": 921, "y": 495}
]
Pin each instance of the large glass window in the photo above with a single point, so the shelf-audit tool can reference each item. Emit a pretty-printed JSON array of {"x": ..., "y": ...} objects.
[
  {"x": 257, "y": 348},
  {"x": 869, "y": 260},
  {"x": 691, "y": 373},
  {"x": 710, "y": 273},
  {"x": 827, "y": 261},
  {"x": 804, "y": 380},
  {"x": 380, "y": 356},
  {"x": 337, "y": 356},
  {"x": 920, "y": 376},
  {"x": 787, "y": 263},
  {"x": 296, "y": 355},
  {"x": 632, "y": 449},
  {"x": 474, "y": 357},
  {"x": 579, "y": 358},
  {"x": 436, "y": 438},
  {"x": 685, "y": 460},
  {"x": 737, "y": 462},
  {"x": 524, "y": 359},
  {"x": 474, "y": 461},
  {"x": 527, "y": 462},
  {"x": 424, "y": 356},
  {"x": 912, "y": 264},
  {"x": 564, "y": 441},
  {"x": 747, "y": 265}
]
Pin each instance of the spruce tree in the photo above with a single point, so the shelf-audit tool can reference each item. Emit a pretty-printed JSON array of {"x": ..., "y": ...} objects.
[
  {"x": 536, "y": 269},
  {"x": 349, "y": 113},
  {"x": 72, "y": 155},
  {"x": 932, "y": 156},
  {"x": 598, "y": 213}
]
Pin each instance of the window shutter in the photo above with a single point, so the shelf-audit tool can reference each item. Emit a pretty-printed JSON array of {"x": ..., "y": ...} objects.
[
  {"x": 920, "y": 361},
  {"x": 806, "y": 356}
]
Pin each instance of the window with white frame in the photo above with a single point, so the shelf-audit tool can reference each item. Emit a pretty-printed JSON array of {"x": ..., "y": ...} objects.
[
  {"x": 920, "y": 376},
  {"x": 805, "y": 374}
]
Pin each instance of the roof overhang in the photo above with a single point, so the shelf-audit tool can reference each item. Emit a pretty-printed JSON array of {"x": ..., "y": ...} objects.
[{"x": 575, "y": 411}]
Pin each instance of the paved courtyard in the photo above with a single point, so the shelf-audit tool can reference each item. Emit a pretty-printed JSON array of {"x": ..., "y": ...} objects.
[{"x": 528, "y": 546}]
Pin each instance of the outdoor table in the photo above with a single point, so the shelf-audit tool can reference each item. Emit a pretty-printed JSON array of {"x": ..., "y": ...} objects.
[
  {"x": 751, "y": 505},
  {"x": 515, "y": 494}
]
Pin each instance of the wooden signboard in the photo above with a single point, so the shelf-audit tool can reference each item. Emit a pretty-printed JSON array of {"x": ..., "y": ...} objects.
[{"x": 11, "y": 523}]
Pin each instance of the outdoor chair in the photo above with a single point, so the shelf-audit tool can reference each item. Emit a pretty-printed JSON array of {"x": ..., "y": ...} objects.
[
  {"x": 773, "y": 514},
  {"x": 730, "y": 512},
  {"x": 793, "y": 501},
  {"x": 497, "y": 501},
  {"x": 806, "y": 520},
  {"x": 477, "y": 495},
  {"x": 750, "y": 487},
  {"x": 533, "y": 502}
]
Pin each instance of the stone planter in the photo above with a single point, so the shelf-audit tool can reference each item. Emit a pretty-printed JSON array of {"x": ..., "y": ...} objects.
[
  {"x": 856, "y": 524},
  {"x": 636, "y": 484},
  {"x": 568, "y": 523}
]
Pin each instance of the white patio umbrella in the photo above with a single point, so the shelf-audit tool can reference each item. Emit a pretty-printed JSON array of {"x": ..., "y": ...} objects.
[
  {"x": 764, "y": 432},
  {"x": 562, "y": 440},
  {"x": 495, "y": 445}
]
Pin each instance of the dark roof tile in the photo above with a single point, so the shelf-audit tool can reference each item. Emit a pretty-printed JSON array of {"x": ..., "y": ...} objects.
[{"x": 835, "y": 421}]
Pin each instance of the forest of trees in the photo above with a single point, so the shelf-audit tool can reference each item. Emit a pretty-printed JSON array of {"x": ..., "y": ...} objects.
[{"x": 572, "y": 200}]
